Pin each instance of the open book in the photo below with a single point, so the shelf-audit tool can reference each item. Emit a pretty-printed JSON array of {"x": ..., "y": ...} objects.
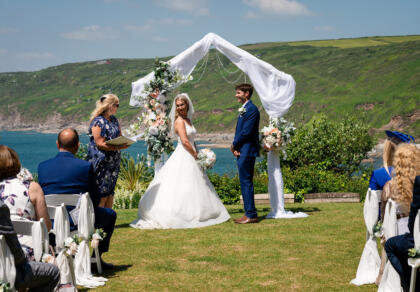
[{"x": 121, "y": 140}]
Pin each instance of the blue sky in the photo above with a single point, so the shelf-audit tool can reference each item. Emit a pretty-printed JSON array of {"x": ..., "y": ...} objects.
[{"x": 35, "y": 34}]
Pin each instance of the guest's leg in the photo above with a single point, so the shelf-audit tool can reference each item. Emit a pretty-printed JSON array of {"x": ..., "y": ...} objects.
[
  {"x": 246, "y": 173},
  {"x": 109, "y": 202},
  {"x": 37, "y": 276},
  {"x": 105, "y": 218},
  {"x": 397, "y": 251}
]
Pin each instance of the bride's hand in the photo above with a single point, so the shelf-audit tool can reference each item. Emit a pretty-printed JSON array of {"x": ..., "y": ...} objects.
[{"x": 195, "y": 155}]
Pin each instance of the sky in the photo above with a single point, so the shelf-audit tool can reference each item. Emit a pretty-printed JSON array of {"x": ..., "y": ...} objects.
[{"x": 35, "y": 34}]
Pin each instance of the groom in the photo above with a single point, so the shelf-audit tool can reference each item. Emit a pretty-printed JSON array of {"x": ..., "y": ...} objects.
[{"x": 245, "y": 147}]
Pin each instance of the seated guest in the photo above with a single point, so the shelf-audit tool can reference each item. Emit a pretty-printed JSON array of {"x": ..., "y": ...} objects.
[
  {"x": 66, "y": 174},
  {"x": 25, "y": 199},
  {"x": 36, "y": 276},
  {"x": 397, "y": 247},
  {"x": 382, "y": 175},
  {"x": 400, "y": 188}
]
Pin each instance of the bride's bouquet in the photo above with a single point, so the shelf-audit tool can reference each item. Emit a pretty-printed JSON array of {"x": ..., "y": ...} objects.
[{"x": 206, "y": 158}]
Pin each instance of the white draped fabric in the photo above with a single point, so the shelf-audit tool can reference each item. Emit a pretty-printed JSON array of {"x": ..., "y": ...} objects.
[
  {"x": 65, "y": 265},
  {"x": 276, "y": 90},
  {"x": 276, "y": 190},
  {"x": 7, "y": 263},
  {"x": 61, "y": 226},
  {"x": 369, "y": 264},
  {"x": 390, "y": 279},
  {"x": 39, "y": 239},
  {"x": 86, "y": 228}
]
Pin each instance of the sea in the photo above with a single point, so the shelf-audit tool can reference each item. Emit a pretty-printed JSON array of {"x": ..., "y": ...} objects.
[{"x": 33, "y": 148}]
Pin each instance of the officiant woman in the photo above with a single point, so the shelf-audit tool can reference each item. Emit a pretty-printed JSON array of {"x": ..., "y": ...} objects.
[{"x": 105, "y": 158}]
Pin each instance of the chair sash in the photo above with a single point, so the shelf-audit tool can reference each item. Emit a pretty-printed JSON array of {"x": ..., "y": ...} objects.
[
  {"x": 370, "y": 262},
  {"x": 391, "y": 281},
  {"x": 61, "y": 226},
  {"x": 7, "y": 263}
]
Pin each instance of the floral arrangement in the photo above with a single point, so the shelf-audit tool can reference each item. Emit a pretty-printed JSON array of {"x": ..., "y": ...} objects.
[
  {"x": 47, "y": 258},
  {"x": 206, "y": 158},
  {"x": 377, "y": 229},
  {"x": 413, "y": 253},
  {"x": 5, "y": 287},
  {"x": 277, "y": 135},
  {"x": 71, "y": 245},
  {"x": 96, "y": 237},
  {"x": 24, "y": 175},
  {"x": 155, "y": 118}
]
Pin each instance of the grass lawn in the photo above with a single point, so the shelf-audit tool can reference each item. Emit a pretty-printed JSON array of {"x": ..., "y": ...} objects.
[{"x": 317, "y": 253}]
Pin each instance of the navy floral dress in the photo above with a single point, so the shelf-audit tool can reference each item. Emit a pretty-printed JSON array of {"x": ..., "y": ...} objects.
[
  {"x": 15, "y": 195},
  {"x": 105, "y": 163}
]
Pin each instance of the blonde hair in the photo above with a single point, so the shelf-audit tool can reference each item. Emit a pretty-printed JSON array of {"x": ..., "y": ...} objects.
[
  {"x": 103, "y": 104},
  {"x": 388, "y": 155},
  {"x": 406, "y": 168},
  {"x": 184, "y": 98}
]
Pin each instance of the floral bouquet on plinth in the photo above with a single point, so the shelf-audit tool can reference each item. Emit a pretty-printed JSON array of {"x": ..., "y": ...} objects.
[
  {"x": 271, "y": 138},
  {"x": 206, "y": 158},
  {"x": 277, "y": 135}
]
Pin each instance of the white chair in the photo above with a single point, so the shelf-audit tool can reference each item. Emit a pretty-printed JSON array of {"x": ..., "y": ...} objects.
[
  {"x": 415, "y": 262},
  {"x": 390, "y": 279},
  {"x": 38, "y": 231},
  {"x": 85, "y": 228},
  {"x": 7, "y": 264},
  {"x": 369, "y": 264},
  {"x": 61, "y": 230}
]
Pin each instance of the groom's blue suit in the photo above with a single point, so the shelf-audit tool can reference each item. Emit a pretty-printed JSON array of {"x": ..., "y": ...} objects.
[{"x": 246, "y": 141}]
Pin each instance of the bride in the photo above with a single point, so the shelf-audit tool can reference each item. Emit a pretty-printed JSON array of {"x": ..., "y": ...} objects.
[{"x": 181, "y": 195}]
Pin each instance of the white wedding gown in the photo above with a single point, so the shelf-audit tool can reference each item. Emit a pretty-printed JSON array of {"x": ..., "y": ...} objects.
[{"x": 180, "y": 195}]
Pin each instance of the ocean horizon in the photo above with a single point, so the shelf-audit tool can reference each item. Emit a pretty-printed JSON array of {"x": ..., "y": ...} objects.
[{"x": 33, "y": 148}]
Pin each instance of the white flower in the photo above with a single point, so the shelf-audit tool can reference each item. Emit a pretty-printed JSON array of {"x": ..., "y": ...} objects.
[
  {"x": 68, "y": 241},
  {"x": 242, "y": 110},
  {"x": 73, "y": 248},
  {"x": 47, "y": 258},
  {"x": 153, "y": 131}
]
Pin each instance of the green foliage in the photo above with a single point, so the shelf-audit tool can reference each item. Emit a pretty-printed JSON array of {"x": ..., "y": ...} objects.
[
  {"x": 133, "y": 180},
  {"x": 311, "y": 179},
  {"x": 326, "y": 145},
  {"x": 228, "y": 188},
  {"x": 82, "y": 151}
]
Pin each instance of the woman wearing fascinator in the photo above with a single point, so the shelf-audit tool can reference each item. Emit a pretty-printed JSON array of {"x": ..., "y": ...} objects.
[{"x": 181, "y": 195}]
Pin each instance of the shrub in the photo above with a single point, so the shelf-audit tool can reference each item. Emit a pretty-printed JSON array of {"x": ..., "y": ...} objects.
[
  {"x": 329, "y": 145},
  {"x": 228, "y": 188}
]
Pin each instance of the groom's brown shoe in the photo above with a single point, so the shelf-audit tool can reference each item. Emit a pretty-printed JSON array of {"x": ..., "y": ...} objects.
[
  {"x": 247, "y": 220},
  {"x": 240, "y": 219}
]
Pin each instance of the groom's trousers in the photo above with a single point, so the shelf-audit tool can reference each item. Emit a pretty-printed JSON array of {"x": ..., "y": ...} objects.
[{"x": 246, "y": 173}]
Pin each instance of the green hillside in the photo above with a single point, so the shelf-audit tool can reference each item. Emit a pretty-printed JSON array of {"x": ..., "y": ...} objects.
[{"x": 375, "y": 77}]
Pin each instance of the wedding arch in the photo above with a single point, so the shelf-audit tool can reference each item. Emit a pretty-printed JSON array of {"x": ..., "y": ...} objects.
[{"x": 276, "y": 90}]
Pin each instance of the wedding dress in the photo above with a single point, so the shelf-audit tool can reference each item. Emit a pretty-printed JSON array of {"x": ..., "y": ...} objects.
[{"x": 180, "y": 195}]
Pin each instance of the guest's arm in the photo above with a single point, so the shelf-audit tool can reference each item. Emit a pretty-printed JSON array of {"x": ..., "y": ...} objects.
[
  {"x": 101, "y": 141},
  {"x": 415, "y": 204},
  {"x": 36, "y": 195}
]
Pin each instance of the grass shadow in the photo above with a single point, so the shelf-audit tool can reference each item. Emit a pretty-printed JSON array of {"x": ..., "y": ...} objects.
[
  {"x": 124, "y": 225},
  {"x": 114, "y": 271}
]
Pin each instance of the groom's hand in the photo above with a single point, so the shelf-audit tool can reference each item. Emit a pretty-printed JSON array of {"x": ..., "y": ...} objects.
[
  {"x": 231, "y": 149},
  {"x": 236, "y": 153}
]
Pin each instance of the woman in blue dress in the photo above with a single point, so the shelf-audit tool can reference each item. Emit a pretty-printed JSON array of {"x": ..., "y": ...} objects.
[{"x": 105, "y": 158}]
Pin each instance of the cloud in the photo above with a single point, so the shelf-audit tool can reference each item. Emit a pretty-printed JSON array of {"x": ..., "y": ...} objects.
[
  {"x": 194, "y": 7},
  {"x": 171, "y": 21},
  {"x": 159, "y": 39},
  {"x": 324, "y": 28},
  {"x": 36, "y": 56},
  {"x": 3, "y": 52},
  {"x": 91, "y": 33},
  {"x": 279, "y": 7},
  {"x": 138, "y": 28},
  {"x": 251, "y": 15},
  {"x": 7, "y": 30}
]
